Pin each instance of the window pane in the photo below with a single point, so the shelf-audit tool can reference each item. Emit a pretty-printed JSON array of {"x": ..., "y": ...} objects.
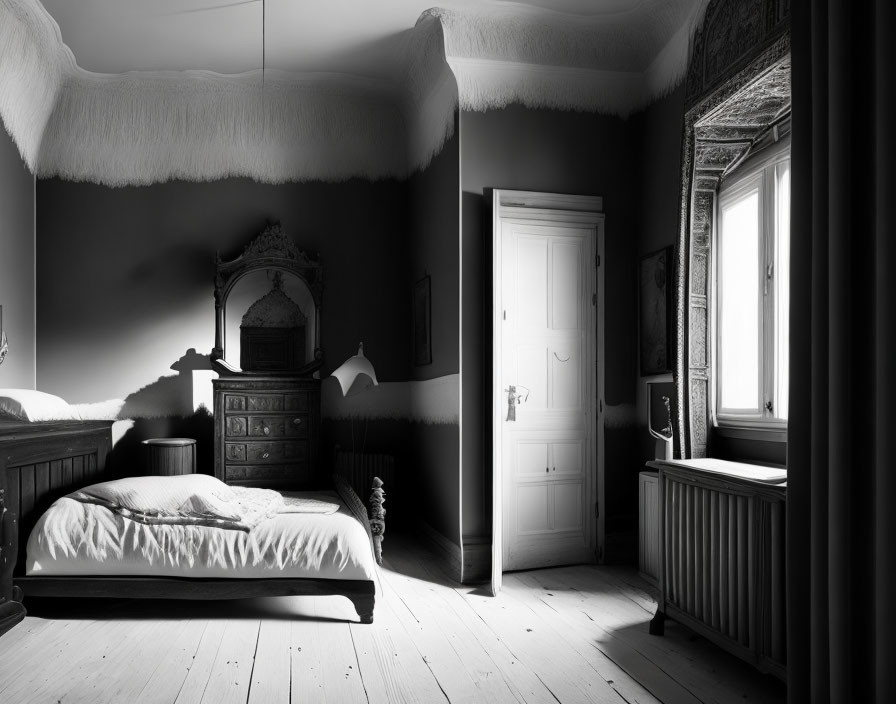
[
  {"x": 782, "y": 289},
  {"x": 739, "y": 303}
]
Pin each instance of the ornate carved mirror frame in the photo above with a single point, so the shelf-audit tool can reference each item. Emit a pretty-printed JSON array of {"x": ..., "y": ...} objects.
[
  {"x": 272, "y": 249},
  {"x": 738, "y": 92}
]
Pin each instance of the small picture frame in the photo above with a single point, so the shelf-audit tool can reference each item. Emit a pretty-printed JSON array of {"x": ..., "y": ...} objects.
[
  {"x": 655, "y": 274},
  {"x": 422, "y": 322}
]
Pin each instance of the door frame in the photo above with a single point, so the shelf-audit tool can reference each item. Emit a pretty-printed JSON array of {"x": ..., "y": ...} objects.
[{"x": 531, "y": 207}]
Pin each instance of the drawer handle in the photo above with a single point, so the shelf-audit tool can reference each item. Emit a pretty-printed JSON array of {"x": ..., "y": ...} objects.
[
  {"x": 266, "y": 430},
  {"x": 297, "y": 421},
  {"x": 265, "y": 455}
]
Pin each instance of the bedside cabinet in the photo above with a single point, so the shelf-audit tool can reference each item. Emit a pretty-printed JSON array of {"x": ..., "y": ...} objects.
[
  {"x": 170, "y": 456},
  {"x": 267, "y": 430}
]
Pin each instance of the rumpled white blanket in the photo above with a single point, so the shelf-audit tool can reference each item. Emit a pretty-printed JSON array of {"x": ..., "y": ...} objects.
[
  {"x": 194, "y": 499},
  {"x": 313, "y": 535}
]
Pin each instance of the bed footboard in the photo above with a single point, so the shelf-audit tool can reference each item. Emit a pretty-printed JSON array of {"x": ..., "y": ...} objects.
[{"x": 39, "y": 462}]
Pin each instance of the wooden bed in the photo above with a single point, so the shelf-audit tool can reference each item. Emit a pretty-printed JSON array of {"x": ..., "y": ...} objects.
[{"x": 40, "y": 462}]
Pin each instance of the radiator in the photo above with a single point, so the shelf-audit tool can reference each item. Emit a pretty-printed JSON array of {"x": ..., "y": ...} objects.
[
  {"x": 723, "y": 562},
  {"x": 649, "y": 526},
  {"x": 359, "y": 468}
]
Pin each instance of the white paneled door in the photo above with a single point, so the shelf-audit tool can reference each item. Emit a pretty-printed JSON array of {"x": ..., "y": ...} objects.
[{"x": 547, "y": 374}]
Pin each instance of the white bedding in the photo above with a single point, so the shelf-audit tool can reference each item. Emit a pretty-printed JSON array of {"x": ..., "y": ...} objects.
[{"x": 75, "y": 538}]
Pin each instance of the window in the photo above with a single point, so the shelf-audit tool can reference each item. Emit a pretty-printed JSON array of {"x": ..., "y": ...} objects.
[{"x": 751, "y": 289}]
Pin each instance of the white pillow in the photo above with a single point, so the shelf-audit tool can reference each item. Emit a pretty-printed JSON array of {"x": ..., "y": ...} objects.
[
  {"x": 179, "y": 495},
  {"x": 33, "y": 406}
]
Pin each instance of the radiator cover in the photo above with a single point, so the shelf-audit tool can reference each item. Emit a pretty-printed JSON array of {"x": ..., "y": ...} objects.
[{"x": 722, "y": 561}]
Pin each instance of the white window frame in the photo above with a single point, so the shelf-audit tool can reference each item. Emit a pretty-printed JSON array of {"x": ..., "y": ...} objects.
[{"x": 761, "y": 169}]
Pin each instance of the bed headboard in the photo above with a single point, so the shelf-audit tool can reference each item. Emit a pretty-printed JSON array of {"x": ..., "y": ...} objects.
[{"x": 39, "y": 462}]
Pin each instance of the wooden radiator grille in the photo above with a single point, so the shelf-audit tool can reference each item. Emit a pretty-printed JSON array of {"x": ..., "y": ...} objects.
[
  {"x": 649, "y": 526},
  {"x": 359, "y": 468},
  {"x": 724, "y": 563}
]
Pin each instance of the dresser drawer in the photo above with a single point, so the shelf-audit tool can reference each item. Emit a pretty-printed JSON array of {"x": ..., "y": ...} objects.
[
  {"x": 283, "y": 426},
  {"x": 267, "y": 403},
  {"x": 284, "y": 475},
  {"x": 263, "y": 452},
  {"x": 289, "y": 425}
]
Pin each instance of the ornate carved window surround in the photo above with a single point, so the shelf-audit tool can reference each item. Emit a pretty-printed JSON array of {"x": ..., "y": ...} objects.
[{"x": 737, "y": 94}]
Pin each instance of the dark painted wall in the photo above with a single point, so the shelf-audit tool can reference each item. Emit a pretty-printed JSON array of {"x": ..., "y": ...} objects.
[
  {"x": 562, "y": 152},
  {"x": 126, "y": 274},
  {"x": 17, "y": 266},
  {"x": 659, "y": 130},
  {"x": 126, "y": 291},
  {"x": 433, "y": 232}
]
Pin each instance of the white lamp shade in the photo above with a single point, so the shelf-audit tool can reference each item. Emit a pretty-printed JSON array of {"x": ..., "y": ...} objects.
[{"x": 356, "y": 374}]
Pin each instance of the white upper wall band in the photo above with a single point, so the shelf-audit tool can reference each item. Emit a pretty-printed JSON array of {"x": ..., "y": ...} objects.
[{"x": 139, "y": 128}]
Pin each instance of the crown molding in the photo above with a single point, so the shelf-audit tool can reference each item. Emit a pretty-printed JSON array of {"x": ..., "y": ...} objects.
[{"x": 492, "y": 84}]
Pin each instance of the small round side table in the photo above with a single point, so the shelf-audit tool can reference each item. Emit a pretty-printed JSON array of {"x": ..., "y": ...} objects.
[{"x": 169, "y": 456}]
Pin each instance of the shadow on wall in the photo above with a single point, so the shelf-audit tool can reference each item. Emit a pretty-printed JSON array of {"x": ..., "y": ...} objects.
[{"x": 166, "y": 408}]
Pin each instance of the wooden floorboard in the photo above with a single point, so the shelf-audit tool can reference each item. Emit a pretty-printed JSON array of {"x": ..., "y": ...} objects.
[
  {"x": 271, "y": 672},
  {"x": 569, "y": 634}
]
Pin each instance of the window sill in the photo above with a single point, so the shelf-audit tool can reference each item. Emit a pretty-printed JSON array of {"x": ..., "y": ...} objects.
[{"x": 775, "y": 433}]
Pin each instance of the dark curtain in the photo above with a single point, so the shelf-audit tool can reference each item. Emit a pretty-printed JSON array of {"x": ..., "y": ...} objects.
[{"x": 842, "y": 428}]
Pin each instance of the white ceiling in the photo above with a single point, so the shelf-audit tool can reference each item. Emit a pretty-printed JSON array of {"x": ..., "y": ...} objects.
[{"x": 361, "y": 37}]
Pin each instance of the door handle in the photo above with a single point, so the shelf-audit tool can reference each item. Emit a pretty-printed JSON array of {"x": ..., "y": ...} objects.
[{"x": 513, "y": 398}]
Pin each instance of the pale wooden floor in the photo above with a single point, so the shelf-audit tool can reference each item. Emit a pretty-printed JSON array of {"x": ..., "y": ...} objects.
[{"x": 575, "y": 634}]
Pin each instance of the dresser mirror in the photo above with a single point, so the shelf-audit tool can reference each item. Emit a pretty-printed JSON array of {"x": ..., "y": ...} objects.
[{"x": 267, "y": 309}]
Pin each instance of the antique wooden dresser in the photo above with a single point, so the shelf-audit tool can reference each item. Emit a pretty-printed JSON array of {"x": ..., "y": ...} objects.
[
  {"x": 267, "y": 430},
  {"x": 267, "y": 413}
]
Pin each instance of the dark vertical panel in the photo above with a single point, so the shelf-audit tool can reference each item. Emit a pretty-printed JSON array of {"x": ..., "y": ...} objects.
[
  {"x": 693, "y": 548},
  {"x": 77, "y": 471},
  {"x": 733, "y": 564},
  {"x": 67, "y": 470},
  {"x": 41, "y": 479},
  {"x": 667, "y": 542},
  {"x": 26, "y": 489},
  {"x": 697, "y": 580},
  {"x": 56, "y": 475},
  {"x": 681, "y": 561},
  {"x": 743, "y": 566},
  {"x": 705, "y": 543},
  {"x": 714, "y": 532},
  {"x": 776, "y": 610},
  {"x": 724, "y": 581},
  {"x": 14, "y": 493}
]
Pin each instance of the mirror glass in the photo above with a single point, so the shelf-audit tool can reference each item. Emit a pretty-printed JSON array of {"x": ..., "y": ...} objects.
[{"x": 253, "y": 286}]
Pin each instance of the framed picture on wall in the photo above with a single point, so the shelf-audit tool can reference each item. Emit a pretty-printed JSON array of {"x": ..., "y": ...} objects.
[
  {"x": 422, "y": 322},
  {"x": 655, "y": 311}
]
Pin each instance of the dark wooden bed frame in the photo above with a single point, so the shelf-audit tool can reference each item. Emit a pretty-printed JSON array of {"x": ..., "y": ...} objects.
[{"x": 40, "y": 462}]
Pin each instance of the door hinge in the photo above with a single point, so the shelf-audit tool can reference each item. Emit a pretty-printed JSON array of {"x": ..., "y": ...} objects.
[
  {"x": 594, "y": 299},
  {"x": 505, "y": 315},
  {"x": 598, "y": 260},
  {"x": 597, "y": 509}
]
